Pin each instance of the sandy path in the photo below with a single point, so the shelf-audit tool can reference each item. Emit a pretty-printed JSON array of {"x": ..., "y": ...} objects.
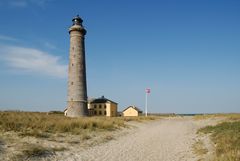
[{"x": 168, "y": 139}]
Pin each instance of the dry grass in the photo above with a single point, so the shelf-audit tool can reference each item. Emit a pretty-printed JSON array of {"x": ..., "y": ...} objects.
[
  {"x": 226, "y": 137},
  {"x": 140, "y": 118},
  {"x": 204, "y": 116},
  {"x": 1, "y": 145},
  {"x": 34, "y": 152},
  {"x": 199, "y": 148},
  {"x": 27, "y": 135},
  {"x": 230, "y": 116},
  {"x": 233, "y": 117},
  {"x": 42, "y": 125}
]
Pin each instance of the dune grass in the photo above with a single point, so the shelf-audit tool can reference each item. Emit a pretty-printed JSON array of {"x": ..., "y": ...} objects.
[
  {"x": 16, "y": 127},
  {"x": 41, "y": 124},
  {"x": 38, "y": 124},
  {"x": 199, "y": 148},
  {"x": 31, "y": 151},
  {"x": 139, "y": 118},
  {"x": 226, "y": 137},
  {"x": 229, "y": 116},
  {"x": 34, "y": 152}
]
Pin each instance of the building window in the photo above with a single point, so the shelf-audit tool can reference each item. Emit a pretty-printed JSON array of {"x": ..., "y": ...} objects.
[
  {"x": 71, "y": 83},
  {"x": 100, "y": 112},
  {"x": 95, "y": 112},
  {"x": 95, "y": 106},
  {"x": 72, "y": 64},
  {"x": 100, "y": 106},
  {"x": 105, "y": 112},
  {"x": 105, "y": 106}
]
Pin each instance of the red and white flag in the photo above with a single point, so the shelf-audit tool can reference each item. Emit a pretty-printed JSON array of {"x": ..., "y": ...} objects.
[{"x": 148, "y": 90}]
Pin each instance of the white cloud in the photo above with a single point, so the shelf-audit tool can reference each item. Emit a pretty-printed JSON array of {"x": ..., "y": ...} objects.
[
  {"x": 49, "y": 45},
  {"x": 40, "y": 2},
  {"x": 7, "y": 38},
  {"x": 18, "y": 3},
  {"x": 33, "y": 61},
  {"x": 25, "y": 3}
]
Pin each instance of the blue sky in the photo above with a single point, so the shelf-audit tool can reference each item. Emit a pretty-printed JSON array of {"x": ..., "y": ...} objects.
[{"x": 187, "y": 52}]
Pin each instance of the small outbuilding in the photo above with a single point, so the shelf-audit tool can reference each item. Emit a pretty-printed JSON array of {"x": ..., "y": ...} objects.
[{"x": 132, "y": 111}]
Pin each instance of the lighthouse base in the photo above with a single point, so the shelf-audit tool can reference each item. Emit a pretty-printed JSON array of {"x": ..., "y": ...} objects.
[{"x": 76, "y": 109}]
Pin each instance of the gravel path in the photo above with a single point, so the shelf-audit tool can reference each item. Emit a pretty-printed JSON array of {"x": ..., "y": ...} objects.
[{"x": 167, "y": 139}]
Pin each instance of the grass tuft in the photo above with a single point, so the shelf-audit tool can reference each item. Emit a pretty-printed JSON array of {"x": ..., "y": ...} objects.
[
  {"x": 57, "y": 149},
  {"x": 199, "y": 148},
  {"x": 37, "y": 151},
  {"x": 33, "y": 152}
]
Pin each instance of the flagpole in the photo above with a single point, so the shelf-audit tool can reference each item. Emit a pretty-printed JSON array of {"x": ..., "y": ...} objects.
[
  {"x": 146, "y": 104},
  {"x": 147, "y": 91}
]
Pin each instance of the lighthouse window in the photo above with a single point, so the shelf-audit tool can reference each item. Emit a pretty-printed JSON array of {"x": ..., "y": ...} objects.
[
  {"x": 72, "y": 64},
  {"x": 71, "y": 83}
]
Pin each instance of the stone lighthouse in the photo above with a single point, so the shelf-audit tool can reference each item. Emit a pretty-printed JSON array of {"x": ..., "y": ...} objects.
[{"x": 77, "y": 84}]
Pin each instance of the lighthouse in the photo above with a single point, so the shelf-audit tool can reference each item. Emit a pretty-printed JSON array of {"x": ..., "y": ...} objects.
[{"x": 77, "y": 83}]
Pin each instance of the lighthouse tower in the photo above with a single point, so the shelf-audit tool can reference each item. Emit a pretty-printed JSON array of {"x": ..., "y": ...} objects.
[{"x": 77, "y": 84}]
